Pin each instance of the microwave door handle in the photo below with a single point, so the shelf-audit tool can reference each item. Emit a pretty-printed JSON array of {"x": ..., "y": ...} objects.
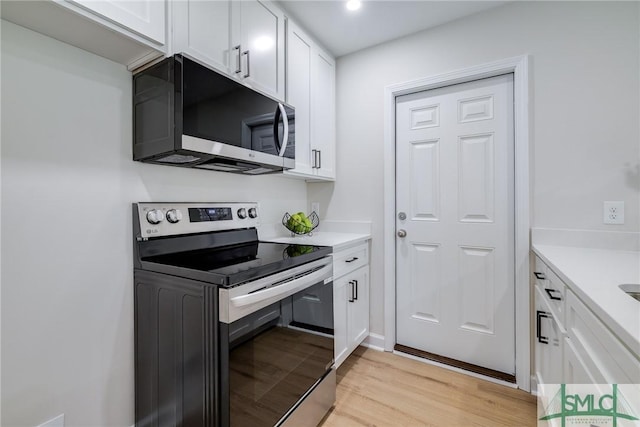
[
  {"x": 276, "y": 129},
  {"x": 285, "y": 122}
]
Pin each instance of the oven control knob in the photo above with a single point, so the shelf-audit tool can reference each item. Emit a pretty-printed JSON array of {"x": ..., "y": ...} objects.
[
  {"x": 253, "y": 213},
  {"x": 155, "y": 216},
  {"x": 242, "y": 213},
  {"x": 174, "y": 215}
]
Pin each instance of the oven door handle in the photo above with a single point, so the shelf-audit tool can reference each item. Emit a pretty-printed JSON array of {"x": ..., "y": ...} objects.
[{"x": 284, "y": 290}]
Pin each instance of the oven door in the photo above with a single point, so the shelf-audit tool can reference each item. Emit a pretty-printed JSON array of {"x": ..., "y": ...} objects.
[{"x": 272, "y": 357}]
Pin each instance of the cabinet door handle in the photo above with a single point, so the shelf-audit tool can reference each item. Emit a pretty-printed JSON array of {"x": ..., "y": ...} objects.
[
  {"x": 355, "y": 258},
  {"x": 239, "y": 67},
  {"x": 246, "y": 52},
  {"x": 355, "y": 282},
  {"x": 539, "y": 315},
  {"x": 351, "y": 296},
  {"x": 540, "y": 276},
  {"x": 313, "y": 162},
  {"x": 319, "y": 159},
  {"x": 550, "y": 293}
]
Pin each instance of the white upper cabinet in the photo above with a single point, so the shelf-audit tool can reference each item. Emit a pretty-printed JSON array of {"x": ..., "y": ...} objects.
[
  {"x": 130, "y": 32},
  {"x": 323, "y": 107},
  {"x": 145, "y": 17},
  {"x": 243, "y": 39},
  {"x": 311, "y": 91},
  {"x": 299, "y": 59},
  {"x": 260, "y": 44},
  {"x": 202, "y": 29}
]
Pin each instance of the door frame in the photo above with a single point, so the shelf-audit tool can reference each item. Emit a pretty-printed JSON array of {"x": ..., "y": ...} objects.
[{"x": 519, "y": 66}]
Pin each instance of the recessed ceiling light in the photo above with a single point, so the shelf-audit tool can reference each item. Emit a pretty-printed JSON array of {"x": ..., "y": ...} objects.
[{"x": 354, "y": 4}]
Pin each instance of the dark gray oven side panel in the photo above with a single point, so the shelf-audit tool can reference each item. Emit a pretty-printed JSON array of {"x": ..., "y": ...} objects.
[{"x": 175, "y": 351}]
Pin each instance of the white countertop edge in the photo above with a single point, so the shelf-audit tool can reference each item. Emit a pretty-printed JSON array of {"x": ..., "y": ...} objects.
[{"x": 627, "y": 337}]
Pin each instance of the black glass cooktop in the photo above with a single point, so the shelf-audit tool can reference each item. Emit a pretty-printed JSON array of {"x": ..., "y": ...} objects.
[{"x": 232, "y": 265}]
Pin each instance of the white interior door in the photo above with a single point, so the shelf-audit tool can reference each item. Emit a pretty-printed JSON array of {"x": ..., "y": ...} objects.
[{"x": 455, "y": 184}]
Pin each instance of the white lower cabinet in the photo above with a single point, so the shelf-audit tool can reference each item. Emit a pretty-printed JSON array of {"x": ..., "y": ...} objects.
[
  {"x": 358, "y": 307},
  {"x": 549, "y": 343},
  {"x": 575, "y": 370},
  {"x": 350, "y": 301},
  {"x": 606, "y": 359},
  {"x": 572, "y": 345}
]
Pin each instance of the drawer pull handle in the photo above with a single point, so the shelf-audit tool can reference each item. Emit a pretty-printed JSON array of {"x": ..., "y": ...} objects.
[
  {"x": 540, "y": 276},
  {"x": 550, "y": 293},
  {"x": 539, "y": 315},
  {"x": 355, "y": 258}
]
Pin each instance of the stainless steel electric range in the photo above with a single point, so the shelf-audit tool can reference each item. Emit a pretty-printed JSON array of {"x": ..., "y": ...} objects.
[{"x": 229, "y": 331}]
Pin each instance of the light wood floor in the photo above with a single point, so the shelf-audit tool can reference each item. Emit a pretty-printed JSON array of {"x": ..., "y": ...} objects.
[{"x": 384, "y": 389}]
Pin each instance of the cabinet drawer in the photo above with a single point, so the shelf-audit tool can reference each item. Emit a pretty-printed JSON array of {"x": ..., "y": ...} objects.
[
  {"x": 603, "y": 353},
  {"x": 350, "y": 259},
  {"x": 553, "y": 289}
]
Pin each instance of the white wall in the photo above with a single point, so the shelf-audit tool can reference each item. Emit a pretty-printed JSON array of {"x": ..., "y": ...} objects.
[
  {"x": 585, "y": 124},
  {"x": 68, "y": 182}
]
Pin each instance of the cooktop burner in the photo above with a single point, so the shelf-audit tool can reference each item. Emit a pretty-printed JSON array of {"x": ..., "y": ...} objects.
[
  {"x": 240, "y": 263},
  {"x": 212, "y": 242}
]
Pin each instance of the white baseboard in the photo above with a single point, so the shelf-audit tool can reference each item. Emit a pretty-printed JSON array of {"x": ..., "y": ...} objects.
[
  {"x": 534, "y": 385},
  {"x": 374, "y": 342}
]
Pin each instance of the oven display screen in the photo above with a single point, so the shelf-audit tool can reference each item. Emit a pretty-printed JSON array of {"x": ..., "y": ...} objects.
[{"x": 209, "y": 214}]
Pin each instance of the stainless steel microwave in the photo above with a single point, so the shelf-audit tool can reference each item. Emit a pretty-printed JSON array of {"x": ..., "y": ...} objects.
[{"x": 186, "y": 114}]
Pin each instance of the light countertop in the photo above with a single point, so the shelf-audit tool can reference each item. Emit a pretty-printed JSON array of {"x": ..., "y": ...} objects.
[
  {"x": 594, "y": 275},
  {"x": 323, "y": 238}
]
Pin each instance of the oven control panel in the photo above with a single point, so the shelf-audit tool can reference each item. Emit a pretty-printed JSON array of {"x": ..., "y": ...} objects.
[{"x": 170, "y": 219}]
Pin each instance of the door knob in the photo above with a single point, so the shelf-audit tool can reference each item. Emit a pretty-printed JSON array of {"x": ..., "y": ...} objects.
[{"x": 402, "y": 233}]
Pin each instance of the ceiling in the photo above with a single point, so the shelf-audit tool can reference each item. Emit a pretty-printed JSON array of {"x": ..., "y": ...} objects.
[{"x": 342, "y": 31}]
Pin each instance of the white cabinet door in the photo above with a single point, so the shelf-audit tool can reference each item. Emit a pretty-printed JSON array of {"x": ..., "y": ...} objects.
[
  {"x": 358, "y": 307},
  {"x": 299, "y": 59},
  {"x": 549, "y": 343},
  {"x": 311, "y": 91},
  {"x": 259, "y": 31},
  {"x": 576, "y": 371},
  {"x": 341, "y": 290},
  {"x": 145, "y": 17},
  {"x": 202, "y": 29},
  {"x": 323, "y": 111}
]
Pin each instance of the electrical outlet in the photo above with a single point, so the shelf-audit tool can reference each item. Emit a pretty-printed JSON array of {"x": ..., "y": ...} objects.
[
  {"x": 613, "y": 213},
  {"x": 315, "y": 207}
]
